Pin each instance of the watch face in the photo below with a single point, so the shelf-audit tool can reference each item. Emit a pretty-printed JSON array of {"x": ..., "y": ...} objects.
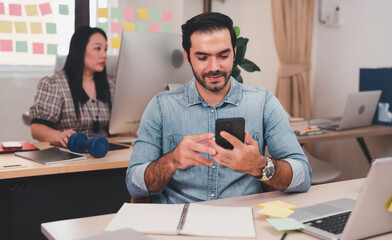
[{"x": 269, "y": 172}]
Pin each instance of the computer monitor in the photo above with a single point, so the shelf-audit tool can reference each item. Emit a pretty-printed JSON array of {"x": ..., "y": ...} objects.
[{"x": 148, "y": 63}]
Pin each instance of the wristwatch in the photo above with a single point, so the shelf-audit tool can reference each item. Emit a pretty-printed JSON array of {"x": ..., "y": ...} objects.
[{"x": 268, "y": 171}]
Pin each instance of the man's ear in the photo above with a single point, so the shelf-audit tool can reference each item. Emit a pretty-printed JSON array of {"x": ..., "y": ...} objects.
[
  {"x": 235, "y": 52},
  {"x": 186, "y": 56}
]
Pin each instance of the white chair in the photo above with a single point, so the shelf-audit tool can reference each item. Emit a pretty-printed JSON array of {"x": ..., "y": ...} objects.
[{"x": 323, "y": 172}]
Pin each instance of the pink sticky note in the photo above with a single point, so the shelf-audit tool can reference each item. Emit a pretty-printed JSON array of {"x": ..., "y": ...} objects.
[
  {"x": 166, "y": 16},
  {"x": 45, "y": 8},
  {"x": 6, "y": 45},
  {"x": 2, "y": 8},
  {"x": 129, "y": 13},
  {"x": 15, "y": 9},
  {"x": 115, "y": 27},
  {"x": 38, "y": 48},
  {"x": 154, "y": 27}
]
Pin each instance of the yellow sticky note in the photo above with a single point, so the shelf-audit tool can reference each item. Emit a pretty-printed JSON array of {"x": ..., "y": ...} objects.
[
  {"x": 276, "y": 211},
  {"x": 5, "y": 27},
  {"x": 31, "y": 10},
  {"x": 103, "y": 12},
  {"x": 388, "y": 205},
  {"x": 115, "y": 43},
  {"x": 142, "y": 13},
  {"x": 278, "y": 203},
  {"x": 36, "y": 27},
  {"x": 129, "y": 26},
  {"x": 20, "y": 27}
]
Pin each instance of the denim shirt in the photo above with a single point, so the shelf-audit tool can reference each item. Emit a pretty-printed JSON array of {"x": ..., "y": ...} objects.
[{"x": 171, "y": 115}]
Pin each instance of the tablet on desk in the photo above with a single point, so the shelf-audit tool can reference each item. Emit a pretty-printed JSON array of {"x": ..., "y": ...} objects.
[{"x": 50, "y": 155}]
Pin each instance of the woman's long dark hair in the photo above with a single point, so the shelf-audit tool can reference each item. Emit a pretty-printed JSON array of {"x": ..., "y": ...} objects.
[{"x": 74, "y": 66}]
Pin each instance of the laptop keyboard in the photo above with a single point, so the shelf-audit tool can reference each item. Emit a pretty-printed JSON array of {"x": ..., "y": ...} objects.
[{"x": 333, "y": 224}]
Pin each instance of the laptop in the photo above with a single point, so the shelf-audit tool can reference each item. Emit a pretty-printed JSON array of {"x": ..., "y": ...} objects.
[
  {"x": 358, "y": 112},
  {"x": 349, "y": 219}
]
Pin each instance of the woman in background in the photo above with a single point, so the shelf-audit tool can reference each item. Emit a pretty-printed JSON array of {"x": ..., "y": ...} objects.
[{"x": 79, "y": 98}]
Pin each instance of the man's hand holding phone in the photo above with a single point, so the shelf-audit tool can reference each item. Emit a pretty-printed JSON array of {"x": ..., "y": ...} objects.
[{"x": 244, "y": 158}]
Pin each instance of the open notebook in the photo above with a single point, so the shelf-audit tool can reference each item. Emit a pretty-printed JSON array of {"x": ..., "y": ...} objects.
[{"x": 185, "y": 219}]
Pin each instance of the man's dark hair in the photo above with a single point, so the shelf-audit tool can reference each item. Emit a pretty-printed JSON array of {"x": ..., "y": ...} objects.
[
  {"x": 206, "y": 22},
  {"x": 74, "y": 66}
]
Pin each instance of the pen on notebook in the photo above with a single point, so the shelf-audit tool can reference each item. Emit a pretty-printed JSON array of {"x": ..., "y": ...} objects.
[{"x": 283, "y": 236}]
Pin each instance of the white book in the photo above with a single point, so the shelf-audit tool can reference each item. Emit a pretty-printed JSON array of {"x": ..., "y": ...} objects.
[{"x": 185, "y": 219}]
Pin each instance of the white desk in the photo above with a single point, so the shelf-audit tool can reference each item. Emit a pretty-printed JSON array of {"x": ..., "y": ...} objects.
[{"x": 85, "y": 227}]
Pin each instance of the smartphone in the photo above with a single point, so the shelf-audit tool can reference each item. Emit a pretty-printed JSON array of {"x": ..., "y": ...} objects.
[
  {"x": 234, "y": 126},
  {"x": 11, "y": 145}
]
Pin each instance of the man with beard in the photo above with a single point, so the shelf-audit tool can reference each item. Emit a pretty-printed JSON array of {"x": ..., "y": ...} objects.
[{"x": 176, "y": 159}]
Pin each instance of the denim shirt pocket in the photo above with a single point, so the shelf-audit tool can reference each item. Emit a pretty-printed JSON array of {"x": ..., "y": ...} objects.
[{"x": 174, "y": 141}]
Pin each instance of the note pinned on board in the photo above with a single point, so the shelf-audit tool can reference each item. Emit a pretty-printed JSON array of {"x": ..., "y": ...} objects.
[
  {"x": 277, "y": 203},
  {"x": 15, "y": 9},
  {"x": 36, "y": 27},
  {"x": 20, "y": 27},
  {"x": 51, "y": 28},
  {"x": 103, "y": 13},
  {"x": 154, "y": 27},
  {"x": 285, "y": 224},
  {"x": 142, "y": 27},
  {"x": 129, "y": 26},
  {"x": 166, "y": 16},
  {"x": 63, "y": 9},
  {"x": 276, "y": 211},
  {"x": 115, "y": 27},
  {"x": 52, "y": 49},
  {"x": 115, "y": 43},
  {"x": 45, "y": 8},
  {"x": 38, "y": 48},
  {"x": 129, "y": 14},
  {"x": 21, "y": 46},
  {"x": 155, "y": 15},
  {"x": 31, "y": 10},
  {"x": 116, "y": 13},
  {"x": 166, "y": 28},
  {"x": 5, "y": 27},
  {"x": 6, "y": 45},
  {"x": 142, "y": 13},
  {"x": 103, "y": 26},
  {"x": 388, "y": 205},
  {"x": 2, "y": 8}
]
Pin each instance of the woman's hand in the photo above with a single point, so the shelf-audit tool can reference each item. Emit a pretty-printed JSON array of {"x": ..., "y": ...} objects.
[{"x": 64, "y": 136}]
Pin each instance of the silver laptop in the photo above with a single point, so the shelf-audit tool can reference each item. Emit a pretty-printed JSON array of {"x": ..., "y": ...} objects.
[
  {"x": 358, "y": 112},
  {"x": 368, "y": 216}
]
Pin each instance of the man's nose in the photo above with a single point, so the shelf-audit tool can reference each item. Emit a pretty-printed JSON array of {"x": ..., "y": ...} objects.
[{"x": 214, "y": 64}]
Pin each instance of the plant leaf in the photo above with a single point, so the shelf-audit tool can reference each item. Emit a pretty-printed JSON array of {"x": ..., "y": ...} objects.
[
  {"x": 239, "y": 79},
  {"x": 249, "y": 66},
  {"x": 237, "y": 31},
  {"x": 235, "y": 72},
  {"x": 241, "y": 49}
]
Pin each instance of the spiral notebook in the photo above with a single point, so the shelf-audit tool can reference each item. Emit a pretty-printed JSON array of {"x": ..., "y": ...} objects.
[{"x": 185, "y": 219}]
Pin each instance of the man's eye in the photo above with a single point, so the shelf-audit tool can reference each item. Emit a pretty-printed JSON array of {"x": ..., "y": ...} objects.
[
  {"x": 202, "y": 58},
  {"x": 224, "y": 56}
]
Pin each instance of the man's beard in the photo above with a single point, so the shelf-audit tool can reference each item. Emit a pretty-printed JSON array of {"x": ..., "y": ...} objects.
[{"x": 202, "y": 82}]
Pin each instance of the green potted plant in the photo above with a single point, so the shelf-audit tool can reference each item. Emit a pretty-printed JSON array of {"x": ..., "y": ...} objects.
[{"x": 240, "y": 60}]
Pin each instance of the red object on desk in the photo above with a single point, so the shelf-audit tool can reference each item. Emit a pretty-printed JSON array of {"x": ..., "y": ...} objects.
[{"x": 26, "y": 146}]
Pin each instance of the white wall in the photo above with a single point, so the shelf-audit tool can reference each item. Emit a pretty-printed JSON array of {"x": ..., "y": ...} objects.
[{"x": 364, "y": 40}]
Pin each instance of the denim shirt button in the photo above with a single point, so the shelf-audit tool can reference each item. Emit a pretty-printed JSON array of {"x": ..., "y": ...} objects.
[
  {"x": 212, "y": 110},
  {"x": 212, "y": 195},
  {"x": 213, "y": 166}
]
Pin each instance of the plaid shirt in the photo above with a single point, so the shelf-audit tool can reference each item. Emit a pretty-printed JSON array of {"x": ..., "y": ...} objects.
[{"x": 54, "y": 107}]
